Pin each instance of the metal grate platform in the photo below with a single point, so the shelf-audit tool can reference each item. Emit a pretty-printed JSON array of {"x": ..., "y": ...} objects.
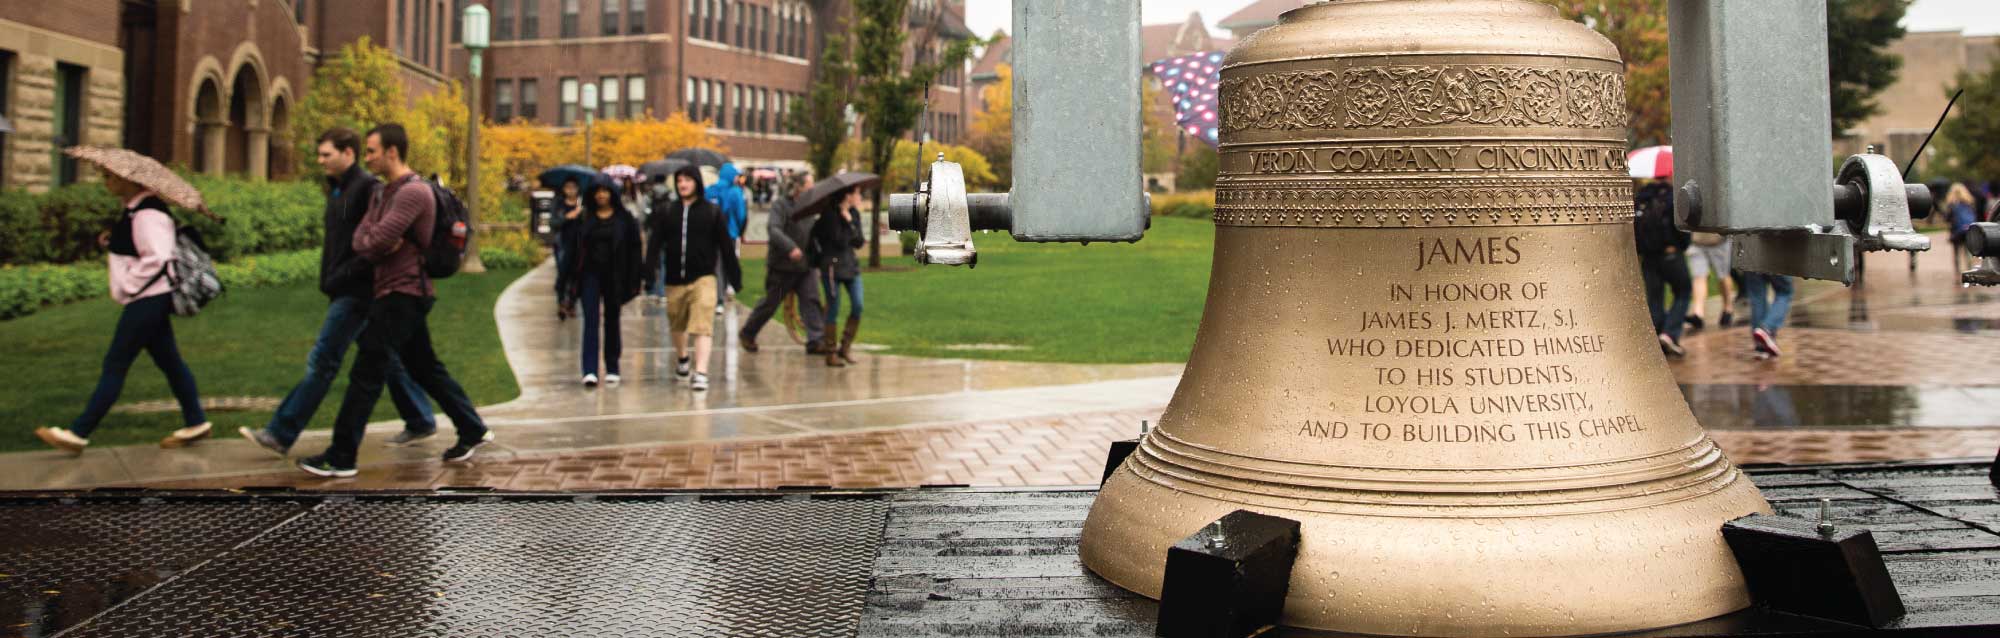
[{"x": 928, "y": 562}]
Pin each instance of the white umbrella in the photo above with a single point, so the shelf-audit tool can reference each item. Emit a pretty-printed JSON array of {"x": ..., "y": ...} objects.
[{"x": 1652, "y": 162}]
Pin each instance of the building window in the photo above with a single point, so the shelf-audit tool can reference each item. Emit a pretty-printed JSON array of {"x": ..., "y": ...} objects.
[
  {"x": 635, "y": 96},
  {"x": 529, "y": 96},
  {"x": 503, "y": 101},
  {"x": 736, "y": 107},
  {"x": 711, "y": 24},
  {"x": 457, "y": 20},
  {"x": 635, "y": 17},
  {"x": 722, "y": 20},
  {"x": 784, "y": 27},
  {"x": 567, "y": 115},
  {"x": 688, "y": 97},
  {"x": 299, "y": 11},
  {"x": 437, "y": 40},
  {"x": 402, "y": 27},
  {"x": 607, "y": 97},
  {"x": 423, "y": 40},
  {"x": 608, "y": 18},
  {"x": 570, "y": 12},
  {"x": 68, "y": 124},
  {"x": 531, "y": 19},
  {"x": 742, "y": 25},
  {"x": 503, "y": 21}
]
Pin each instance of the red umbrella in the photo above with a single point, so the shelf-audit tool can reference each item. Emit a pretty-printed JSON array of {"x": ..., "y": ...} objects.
[{"x": 1652, "y": 162}]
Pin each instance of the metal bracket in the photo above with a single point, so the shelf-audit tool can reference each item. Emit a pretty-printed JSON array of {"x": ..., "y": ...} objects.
[{"x": 1982, "y": 240}]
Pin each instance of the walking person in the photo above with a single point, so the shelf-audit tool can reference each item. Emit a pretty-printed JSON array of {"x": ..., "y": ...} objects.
[
  {"x": 1961, "y": 211},
  {"x": 606, "y": 274},
  {"x": 837, "y": 234},
  {"x": 788, "y": 271},
  {"x": 140, "y": 249},
  {"x": 566, "y": 229},
  {"x": 1662, "y": 263},
  {"x": 347, "y": 280},
  {"x": 393, "y": 235},
  {"x": 1766, "y": 316},
  {"x": 689, "y": 236},
  {"x": 1710, "y": 253},
  {"x": 727, "y": 193}
]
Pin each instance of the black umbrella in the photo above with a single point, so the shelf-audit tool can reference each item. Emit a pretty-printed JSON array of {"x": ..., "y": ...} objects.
[
  {"x": 699, "y": 157},
  {"x": 662, "y": 168},
  {"x": 582, "y": 175},
  {"x": 819, "y": 198}
]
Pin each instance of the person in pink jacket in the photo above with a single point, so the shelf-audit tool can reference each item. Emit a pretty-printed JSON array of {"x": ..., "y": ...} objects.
[{"x": 141, "y": 251}]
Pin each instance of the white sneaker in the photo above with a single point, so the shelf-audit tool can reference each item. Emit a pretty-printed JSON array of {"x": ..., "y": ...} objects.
[
  {"x": 683, "y": 367},
  {"x": 610, "y": 379},
  {"x": 590, "y": 381},
  {"x": 700, "y": 382}
]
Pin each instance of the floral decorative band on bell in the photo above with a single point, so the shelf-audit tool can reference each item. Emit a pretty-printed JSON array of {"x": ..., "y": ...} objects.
[{"x": 1404, "y": 96}]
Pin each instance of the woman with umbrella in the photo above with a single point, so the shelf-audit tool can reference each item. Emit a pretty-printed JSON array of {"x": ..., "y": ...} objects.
[
  {"x": 835, "y": 236},
  {"x": 141, "y": 246},
  {"x": 605, "y": 272}
]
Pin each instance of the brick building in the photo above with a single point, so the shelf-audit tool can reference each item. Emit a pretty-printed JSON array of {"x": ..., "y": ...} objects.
[
  {"x": 741, "y": 64},
  {"x": 207, "y": 84}
]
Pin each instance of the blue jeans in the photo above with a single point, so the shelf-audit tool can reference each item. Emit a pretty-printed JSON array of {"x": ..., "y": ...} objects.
[
  {"x": 595, "y": 304},
  {"x": 833, "y": 285},
  {"x": 1769, "y": 315},
  {"x": 345, "y": 318},
  {"x": 145, "y": 324},
  {"x": 660, "y": 280},
  {"x": 1661, "y": 274}
]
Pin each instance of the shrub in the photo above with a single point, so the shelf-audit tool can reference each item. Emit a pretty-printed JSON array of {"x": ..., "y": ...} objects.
[
  {"x": 25, "y": 289},
  {"x": 61, "y": 225},
  {"x": 1193, "y": 205},
  {"x": 20, "y": 227},
  {"x": 71, "y": 218},
  {"x": 510, "y": 249}
]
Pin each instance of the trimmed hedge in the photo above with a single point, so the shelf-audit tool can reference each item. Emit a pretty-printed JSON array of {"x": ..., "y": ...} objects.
[
  {"x": 61, "y": 225},
  {"x": 1191, "y": 204},
  {"x": 26, "y": 289}
]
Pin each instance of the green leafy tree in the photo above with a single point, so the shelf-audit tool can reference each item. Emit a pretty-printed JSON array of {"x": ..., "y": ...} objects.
[
  {"x": 1967, "y": 140},
  {"x": 993, "y": 128},
  {"x": 890, "y": 95},
  {"x": 1639, "y": 29},
  {"x": 356, "y": 88},
  {"x": 1858, "y": 33},
  {"x": 822, "y": 116},
  {"x": 1198, "y": 168}
]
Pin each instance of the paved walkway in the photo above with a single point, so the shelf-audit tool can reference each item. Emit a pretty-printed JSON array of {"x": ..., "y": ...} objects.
[{"x": 1907, "y": 366}]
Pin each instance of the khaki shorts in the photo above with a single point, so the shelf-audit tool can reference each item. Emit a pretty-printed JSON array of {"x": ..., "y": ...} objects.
[{"x": 691, "y": 308}]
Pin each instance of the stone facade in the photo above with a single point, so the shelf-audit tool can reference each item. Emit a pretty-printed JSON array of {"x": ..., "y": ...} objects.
[
  {"x": 37, "y": 44},
  {"x": 1932, "y": 61}
]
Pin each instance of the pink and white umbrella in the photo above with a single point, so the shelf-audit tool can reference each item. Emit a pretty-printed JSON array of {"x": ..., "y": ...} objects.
[
  {"x": 620, "y": 171},
  {"x": 1652, "y": 162}
]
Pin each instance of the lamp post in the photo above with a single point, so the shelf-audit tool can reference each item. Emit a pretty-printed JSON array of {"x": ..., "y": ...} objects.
[
  {"x": 474, "y": 39},
  {"x": 589, "y": 118}
]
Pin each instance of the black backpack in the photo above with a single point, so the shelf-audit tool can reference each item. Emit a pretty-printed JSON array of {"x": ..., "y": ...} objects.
[{"x": 450, "y": 233}]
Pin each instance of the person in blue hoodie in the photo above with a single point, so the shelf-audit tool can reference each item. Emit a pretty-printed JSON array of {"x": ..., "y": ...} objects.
[{"x": 727, "y": 194}]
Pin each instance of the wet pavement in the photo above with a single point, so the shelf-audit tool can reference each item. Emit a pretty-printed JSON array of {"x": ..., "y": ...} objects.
[{"x": 1905, "y": 366}]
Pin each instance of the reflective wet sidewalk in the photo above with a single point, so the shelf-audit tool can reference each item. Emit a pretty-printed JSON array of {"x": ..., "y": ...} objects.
[{"x": 1906, "y": 366}]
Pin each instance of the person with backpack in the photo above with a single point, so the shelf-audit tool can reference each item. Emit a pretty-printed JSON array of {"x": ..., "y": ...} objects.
[
  {"x": 411, "y": 238},
  {"x": 142, "y": 247},
  {"x": 1662, "y": 262},
  {"x": 688, "y": 237},
  {"x": 347, "y": 280},
  {"x": 605, "y": 274}
]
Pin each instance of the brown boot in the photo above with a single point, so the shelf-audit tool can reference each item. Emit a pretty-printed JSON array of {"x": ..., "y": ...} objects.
[
  {"x": 847, "y": 338},
  {"x": 833, "y": 359}
]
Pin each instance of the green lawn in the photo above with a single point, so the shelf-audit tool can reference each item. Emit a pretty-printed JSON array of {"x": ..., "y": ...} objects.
[
  {"x": 252, "y": 342},
  {"x": 1102, "y": 303}
]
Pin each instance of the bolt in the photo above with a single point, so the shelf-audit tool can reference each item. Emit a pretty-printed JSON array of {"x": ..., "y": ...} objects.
[
  {"x": 1825, "y": 516},
  {"x": 1143, "y": 427}
]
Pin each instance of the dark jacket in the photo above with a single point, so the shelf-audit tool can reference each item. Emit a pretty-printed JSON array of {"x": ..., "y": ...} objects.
[
  {"x": 342, "y": 273},
  {"x": 689, "y": 241},
  {"x": 1653, "y": 226},
  {"x": 834, "y": 242},
  {"x": 787, "y": 234},
  {"x": 627, "y": 277},
  {"x": 394, "y": 234}
]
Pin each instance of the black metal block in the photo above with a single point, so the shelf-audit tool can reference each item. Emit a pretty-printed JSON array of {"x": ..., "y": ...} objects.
[
  {"x": 1792, "y": 565},
  {"x": 1116, "y": 457},
  {"x": 1229, "y": 579},
  {"x": 1993, "y": 471}
]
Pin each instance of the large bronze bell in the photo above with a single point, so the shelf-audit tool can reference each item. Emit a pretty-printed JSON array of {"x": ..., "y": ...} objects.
[{"x": 1425, "y": 340}]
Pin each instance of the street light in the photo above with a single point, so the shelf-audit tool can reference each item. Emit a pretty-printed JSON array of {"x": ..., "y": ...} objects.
[
  {"x": 589, "y": 117},
  {"x": 474, "y": 39}
]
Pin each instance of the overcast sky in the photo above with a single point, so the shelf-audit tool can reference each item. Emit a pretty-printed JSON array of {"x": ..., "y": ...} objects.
[{"x": 1976, "y": 17}]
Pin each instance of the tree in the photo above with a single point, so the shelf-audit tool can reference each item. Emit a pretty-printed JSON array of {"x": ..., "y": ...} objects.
[
  {"x": 436, "y": 125},
  {"x": 356, "y": 88},
  {"x": 1639, "y": 29},
  {"x": 1967, "y": 140},
  {"x": 906, "y": 166},
  {"x": 993, "y": 128},
  {"x": 890, "y": 96},
  {"x": 1159, "y": 136},
  {"x": 1858, "y": 33},
  {"x": 637, "y": 141},
  {"x": 1198, "y": 168},
  {"x": 822, "y": 116}
]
